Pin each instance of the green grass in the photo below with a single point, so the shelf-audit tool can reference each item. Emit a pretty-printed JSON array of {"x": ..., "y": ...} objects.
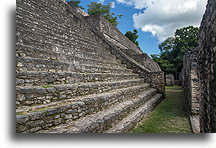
[
  {"x": 20, "y": 113},
  {"x": 170, "y": 116},
  {"x": 47, "y": 86}
]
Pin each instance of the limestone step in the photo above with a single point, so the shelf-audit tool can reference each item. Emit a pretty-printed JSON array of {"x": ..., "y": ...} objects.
[
  {"x": 132, "y": 119},
  {"x": 66, "y": 49},
  {"x": 37, "y": 37},
  {"x": 103, "y": 69},
  {"x": 70, "y": 29},
  {"x": 33, "y": 64},
  {"x": 50, "y": 21},
  {"x": 34, "y": 78},
  {"x": 116, "y": 95},
  {"x": 82, "y": 57},
  {"x": 103, "y": 120},
  {"x": 35, "y": 95},
  {"x": 67, "y": 110}
]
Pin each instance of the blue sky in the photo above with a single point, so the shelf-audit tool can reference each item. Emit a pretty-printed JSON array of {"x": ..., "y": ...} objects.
[{"x": 155, "y": 20}]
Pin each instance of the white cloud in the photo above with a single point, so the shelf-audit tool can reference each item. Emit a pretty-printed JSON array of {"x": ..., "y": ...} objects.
[
  {"x": 163, "y": 17},
  {"x": 138, "y": 4},
  {"x": 112, "y": 4},
  {"x": 101, "y": 1}
]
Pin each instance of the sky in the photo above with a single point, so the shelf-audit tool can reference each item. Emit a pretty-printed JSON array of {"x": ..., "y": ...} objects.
[{"x": 155, "y": 20}]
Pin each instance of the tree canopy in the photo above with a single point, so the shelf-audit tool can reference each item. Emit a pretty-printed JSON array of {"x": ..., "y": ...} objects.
[
  {"x": 133, "y": 36},
  {"x": 103, "y": 10},
  {"x": 173, "y": 49},
  {"x": 75, "y": 3}
]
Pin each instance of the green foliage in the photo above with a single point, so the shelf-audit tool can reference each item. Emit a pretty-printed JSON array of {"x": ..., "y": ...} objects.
[
  {"x": 47, "y": 86},
  {"x": 165, "y": 65},
  {"x": 103, "y": 10},
  {"x": 75, "y": 3},
  {"x": 173, "y": 49},
  {"x": 133, "y": 36}
]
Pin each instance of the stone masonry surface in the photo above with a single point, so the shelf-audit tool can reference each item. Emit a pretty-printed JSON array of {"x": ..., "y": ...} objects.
[
  {"x": 170, "y": 80},
  {"x": 206, "y": 66},
  {"x": 71, "y": 79},
  {"x": 129, "y": 53},
  {"x": 198, "y": 75}
]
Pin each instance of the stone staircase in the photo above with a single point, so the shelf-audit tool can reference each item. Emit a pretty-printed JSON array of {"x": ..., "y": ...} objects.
[{"x": 68, "y": 82}]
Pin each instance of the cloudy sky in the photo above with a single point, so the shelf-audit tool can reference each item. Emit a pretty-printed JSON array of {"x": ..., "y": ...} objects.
[{"x": 155, "y": 20}]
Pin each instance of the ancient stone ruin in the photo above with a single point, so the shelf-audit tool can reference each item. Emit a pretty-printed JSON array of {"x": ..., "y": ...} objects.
[
  {"x": 170, "y": 81},
  {"x": 198, "y": 75},
  {"x": 77, "y": 73},
  {"x": 190, "y": 87}
]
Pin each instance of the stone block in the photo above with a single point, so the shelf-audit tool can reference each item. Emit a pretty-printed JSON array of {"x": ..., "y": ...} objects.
[{"x": 170, "y": 80}]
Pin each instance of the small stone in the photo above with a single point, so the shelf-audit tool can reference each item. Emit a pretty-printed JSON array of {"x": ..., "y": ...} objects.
[
  {"x": 79, "y": 110},
  {"x": 21, "y": 119},
  {"x": 68, "y": 116},
  {"x": 19, "y": 81},
  {"x": 28, "y": 102},
  {"x": 32, "y": 130},
  {"x": 62, "y": 115},
  {"x": 40, "y": 90},
  {"x": 36, "y": 115},
  {"x": 70, "y": 111},
  {"x": 19, "y": 64},
  {"x": 21, "y": 97},
  {"x": 57, "y": 116},
  {"x": 21, "y": 128},
  {"x": 51, "y": 111},
  {"x": 75, "y": 117},
  {"x": 36, "y": 123},
  {"x": 40, "y": 66},
  {"x": 81, "y": 103},
  {"x": 48, "y": 119},
  {"x": 62, "y": 97},
  {"x": 57, "y": 121}
]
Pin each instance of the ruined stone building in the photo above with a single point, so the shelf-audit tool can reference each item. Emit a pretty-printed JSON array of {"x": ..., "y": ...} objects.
[
  {"x": 198, "y": 75},
  {"x": 77, "y": 73},
  {"x": 169, "y": 80}
]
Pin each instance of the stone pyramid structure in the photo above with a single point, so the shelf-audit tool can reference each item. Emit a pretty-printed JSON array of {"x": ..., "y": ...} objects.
[{"x": 70, "y": 78}]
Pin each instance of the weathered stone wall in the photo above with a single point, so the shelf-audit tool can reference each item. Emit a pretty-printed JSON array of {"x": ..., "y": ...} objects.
[
  {"x": 169, "y": 80},
  {"x": 198, "y": 75},
  {"x": 157, "y": 81},
  {"x": 206, "y": 66},
  {"x": 190, "y": 86},
  {"x": 113, "y": 34},
  {"x": 129, "y": 53},
  {"x": 191, "y": 82},
  {"x": 146, "y": 61},
  {"x": 122, "y": 42},
  {"x": 54, "y": 29}
]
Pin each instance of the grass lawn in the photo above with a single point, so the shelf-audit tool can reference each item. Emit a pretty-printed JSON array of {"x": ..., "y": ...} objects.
[{"x": 170, "y": 116}]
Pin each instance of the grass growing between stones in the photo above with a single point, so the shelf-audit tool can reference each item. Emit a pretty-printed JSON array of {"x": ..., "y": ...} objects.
[
  {"x": 170, "y": 116},
  {"x": 47, "y": 86}
]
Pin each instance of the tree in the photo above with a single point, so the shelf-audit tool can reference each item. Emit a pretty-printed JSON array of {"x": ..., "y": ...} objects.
[
  {"x": 103, "y": 10},
  {"x": 75, "y": 3},
  {"x": 173, "y": 49},
  {"x": 165, "y": 65},
  {"x": 133, "y": 36}
]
